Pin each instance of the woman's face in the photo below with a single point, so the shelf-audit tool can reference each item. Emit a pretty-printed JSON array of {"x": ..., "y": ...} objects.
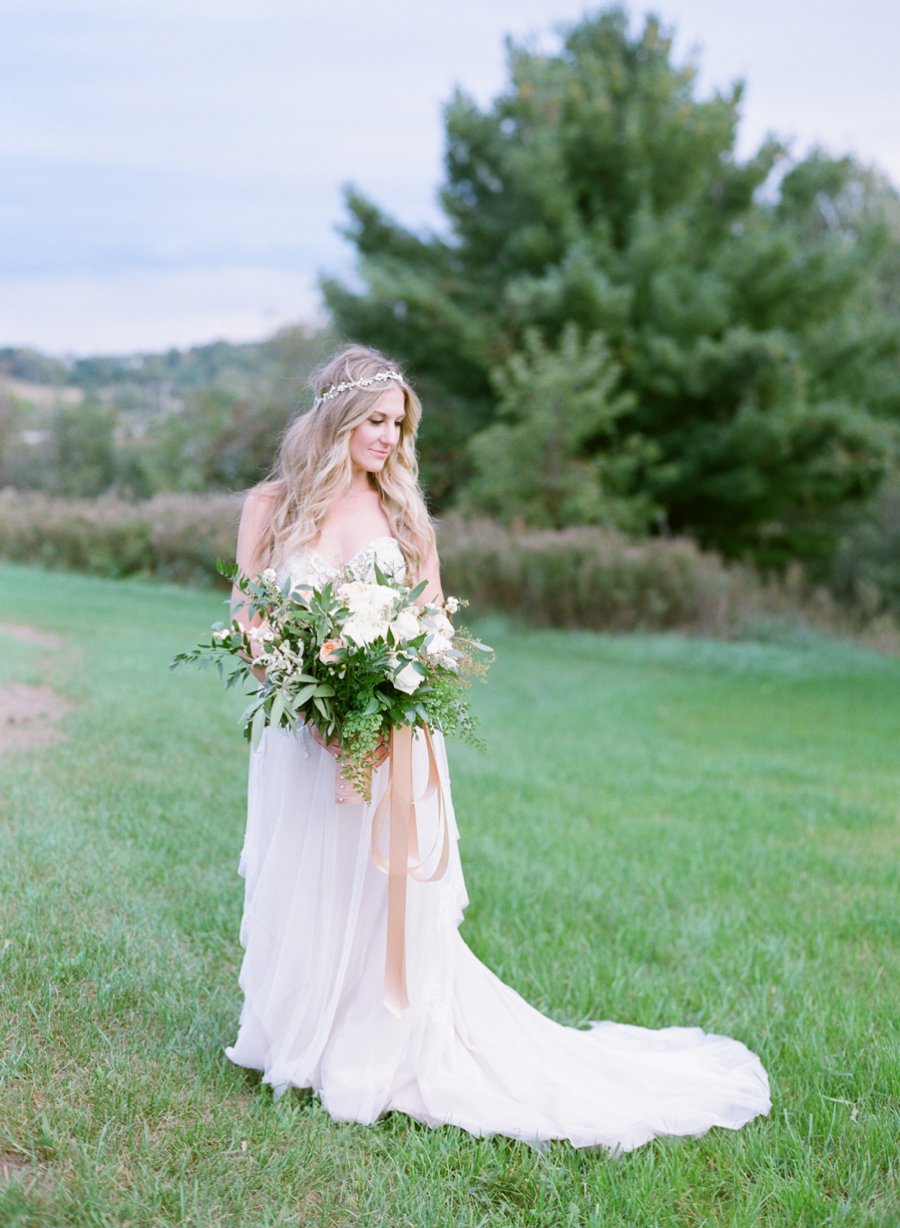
[{"x": 377, "y": 436}]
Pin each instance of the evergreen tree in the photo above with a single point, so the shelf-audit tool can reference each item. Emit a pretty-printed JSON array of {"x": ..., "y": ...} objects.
[
  {"x": 752, "y": 324},
  {"x": 543, "y": 461}
]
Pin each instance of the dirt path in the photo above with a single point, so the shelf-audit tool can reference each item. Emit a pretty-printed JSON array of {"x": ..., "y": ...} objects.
[
  {"x": 29, "y": 714},
  {"x": 31, "y": 635}
]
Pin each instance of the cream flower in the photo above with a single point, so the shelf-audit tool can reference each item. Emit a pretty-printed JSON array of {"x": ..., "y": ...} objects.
[
  {"x": 405, "y": 625},
  {"x": 408, "y": 680},
  {"x": 442, "y": 625},
  {"x": 352, "y": 593},
  {"x": 363, "y": 630},
  {"x": 437, "y": 645}
]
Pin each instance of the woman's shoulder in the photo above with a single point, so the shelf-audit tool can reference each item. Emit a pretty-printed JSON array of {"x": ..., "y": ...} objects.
[
  {"x": 261, "y": 500},
  {"x": 264, "y": 493},
  {"x": 259, "y": 507}
]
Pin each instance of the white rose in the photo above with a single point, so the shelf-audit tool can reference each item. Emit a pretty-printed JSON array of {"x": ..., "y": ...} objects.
[
  {"x": 352, "y": 593},
  {"x": 408, "y": 679},
  {"x": 406, "y": 625},
  {"x": 363, "y": 630},
  {"x": 437, "y": 645},
  {"x": 380, "y": 597},
  {"x": 443, "y": 625}
]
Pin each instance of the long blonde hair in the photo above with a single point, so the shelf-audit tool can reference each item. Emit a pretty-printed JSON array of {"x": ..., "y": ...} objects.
[{"x": 314, "y": 466}]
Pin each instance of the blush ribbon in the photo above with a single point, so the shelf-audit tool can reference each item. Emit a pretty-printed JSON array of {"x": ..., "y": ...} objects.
[{"x": 397, "y": 812}]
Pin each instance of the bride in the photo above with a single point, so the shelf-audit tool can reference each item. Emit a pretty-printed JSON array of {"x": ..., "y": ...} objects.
[{"x": 467, "y": 1050}]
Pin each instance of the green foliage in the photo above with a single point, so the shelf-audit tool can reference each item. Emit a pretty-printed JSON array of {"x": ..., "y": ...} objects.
[
  {"x": 24, "y": 363},
  {"x": 547, "y": 460},
  {"x": 12, "y": 423},
  {"x": 865, "y": 571},
  {"x": 665, "y": 831},
  {"x": 218, "y": 442},
  {"x": 753, "y": 318},
  {"x": 207, "y": 418},
  {"x": 80, "y": 451}
]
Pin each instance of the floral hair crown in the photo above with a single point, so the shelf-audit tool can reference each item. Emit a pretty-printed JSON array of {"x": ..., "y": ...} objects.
[{"x": 380, "y": 377}]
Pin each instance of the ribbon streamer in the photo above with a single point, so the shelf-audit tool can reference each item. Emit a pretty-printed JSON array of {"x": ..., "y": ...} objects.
[{"x": 397, "y": 810}]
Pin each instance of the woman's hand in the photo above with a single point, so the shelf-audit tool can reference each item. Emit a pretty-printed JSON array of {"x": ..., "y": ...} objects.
[
  {"x": 380, "y": 753},
  {"x": 333, "y": 747}
]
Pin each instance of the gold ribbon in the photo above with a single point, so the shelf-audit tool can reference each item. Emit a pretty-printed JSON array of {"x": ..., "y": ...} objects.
[{"x": 397, "y": 808}]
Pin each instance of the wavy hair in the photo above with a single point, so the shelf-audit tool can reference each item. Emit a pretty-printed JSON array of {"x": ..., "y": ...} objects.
[{"x": 314, "y": 466}]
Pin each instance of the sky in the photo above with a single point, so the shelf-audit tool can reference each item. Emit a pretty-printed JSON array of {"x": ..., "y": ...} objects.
[{"x": 172, "y": 171}]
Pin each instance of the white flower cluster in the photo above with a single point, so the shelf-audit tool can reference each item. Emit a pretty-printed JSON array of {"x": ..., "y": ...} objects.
[
  {"x": 372, "y": 613},
  {"x": 260, "y": 634},
  {"x": 281, "y": 658},
  {"x": 439, "y": 643},
  {"x": 375, "y": 609}
]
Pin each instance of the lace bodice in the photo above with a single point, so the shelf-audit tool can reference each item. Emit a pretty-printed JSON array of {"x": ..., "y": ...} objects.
[{"x": 308, "y": 566}]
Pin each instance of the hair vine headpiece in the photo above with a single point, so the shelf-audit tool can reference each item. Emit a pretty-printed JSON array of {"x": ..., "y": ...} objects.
[{"x": 380, "y": 377}]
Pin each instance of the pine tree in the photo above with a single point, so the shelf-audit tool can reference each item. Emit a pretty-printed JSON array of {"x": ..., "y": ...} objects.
[{"x": 749, "y": 320}]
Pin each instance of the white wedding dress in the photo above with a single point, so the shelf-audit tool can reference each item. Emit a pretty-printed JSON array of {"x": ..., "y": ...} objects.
[{"x": 468, "y": 1051}]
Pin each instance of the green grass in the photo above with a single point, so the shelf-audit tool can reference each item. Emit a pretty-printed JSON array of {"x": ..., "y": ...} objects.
[{"x": 665, "y": 831}]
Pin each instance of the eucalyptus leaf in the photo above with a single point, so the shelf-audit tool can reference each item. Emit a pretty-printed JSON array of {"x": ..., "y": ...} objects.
[
  {"x": 258, "y": 727},
  {"x": 304, "y": 694}
]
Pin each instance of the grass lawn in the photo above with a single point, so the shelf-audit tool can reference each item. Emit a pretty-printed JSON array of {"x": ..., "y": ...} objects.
[{"x": 665, "y": 831}]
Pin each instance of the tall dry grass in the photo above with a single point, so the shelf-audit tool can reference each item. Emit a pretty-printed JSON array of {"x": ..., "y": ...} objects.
[
  {"x": 579, "y": 577},
  {"x": 175, "y": 537}
]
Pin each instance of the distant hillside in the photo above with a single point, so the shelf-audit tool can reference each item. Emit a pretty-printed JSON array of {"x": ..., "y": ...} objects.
[{"x": 148, "y": 383}]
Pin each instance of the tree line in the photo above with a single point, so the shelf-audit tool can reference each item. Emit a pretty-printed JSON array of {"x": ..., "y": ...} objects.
[{"x": 625, "y": 321}]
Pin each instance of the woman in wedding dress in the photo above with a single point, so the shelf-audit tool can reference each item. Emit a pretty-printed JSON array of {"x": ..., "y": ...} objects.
[{"x": 467, "y": 1050}]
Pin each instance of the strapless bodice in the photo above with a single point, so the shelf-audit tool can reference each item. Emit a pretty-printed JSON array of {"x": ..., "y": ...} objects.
[{"x": 308, "y": 566}]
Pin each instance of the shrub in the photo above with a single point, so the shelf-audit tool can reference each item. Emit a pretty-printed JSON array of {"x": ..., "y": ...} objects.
[
  {"x": 592, "y": 577},
  {"x": 176, "y": 537},
  {"x": 583, "y": 576},
  {"x": 865, "y": 571}
]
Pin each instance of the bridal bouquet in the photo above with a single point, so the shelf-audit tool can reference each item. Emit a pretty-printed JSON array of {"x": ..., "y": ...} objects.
[{"x": 354, "y": 659}]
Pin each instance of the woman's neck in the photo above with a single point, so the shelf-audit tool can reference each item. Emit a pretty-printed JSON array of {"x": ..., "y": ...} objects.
[{"x": 360, "y": 484}]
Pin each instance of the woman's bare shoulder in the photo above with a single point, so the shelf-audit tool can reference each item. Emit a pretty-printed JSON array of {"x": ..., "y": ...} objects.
[
  {"x": 264, "y": 492},
  {"x": 260, "y": 500}
]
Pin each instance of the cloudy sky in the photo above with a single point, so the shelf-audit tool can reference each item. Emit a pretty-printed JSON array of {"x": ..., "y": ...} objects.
[{"x": 171, "y": 170}]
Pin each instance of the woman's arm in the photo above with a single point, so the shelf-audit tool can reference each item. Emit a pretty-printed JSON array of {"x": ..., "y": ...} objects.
[
  {"x": 430, "y": 570},
  {"x": 254, "y": 522}
]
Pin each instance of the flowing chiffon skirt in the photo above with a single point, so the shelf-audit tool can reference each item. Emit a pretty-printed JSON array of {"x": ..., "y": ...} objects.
[{"x": 469, "y": 1051}]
